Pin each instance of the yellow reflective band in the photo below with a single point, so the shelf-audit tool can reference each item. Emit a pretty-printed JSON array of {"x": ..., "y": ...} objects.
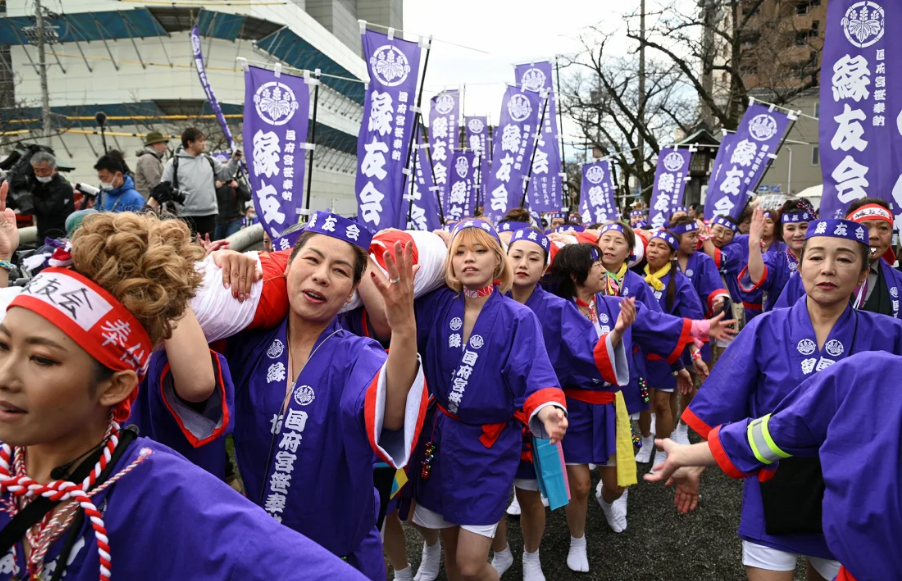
[
  {"x": 763, "y": 446},
  {"x": 751, "y": 437},
  {"x": 770, "y": 441}
]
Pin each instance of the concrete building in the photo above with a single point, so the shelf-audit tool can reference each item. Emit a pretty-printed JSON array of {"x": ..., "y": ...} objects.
[{"x": 134, "y": 62}]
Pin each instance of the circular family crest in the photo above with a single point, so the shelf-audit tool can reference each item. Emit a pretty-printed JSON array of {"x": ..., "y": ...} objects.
[
  {"x": 444, "y": 104},
  {"x": 475, "y": 125},
  {"x": 476, "y": 341},
  {"x": 834, "y": 347},
  {"x": 806, "y": 347},
  {"x": 275, "y": 103},
  {"x": 304, "y": 395},
  {"x": 595, "y": 174},
  {"x": 673, "y": 161},
  {"x": 462, "y": 166},
  {"x": 863, "y": 23},
  {"x": 519, "y": 107},
  {"x": 390, "y": 65},
  {"x": 763, "y": 127},
  {"x": 456, "y": 324},
  {"x": 275, "y": 350},
  {"x": 534, "y": 79}
]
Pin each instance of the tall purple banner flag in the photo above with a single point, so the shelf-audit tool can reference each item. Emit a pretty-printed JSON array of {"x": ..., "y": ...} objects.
[
  {"x": 545, "y": 187},
  {"x": 597, "y": 193},
  {"x": 424, "y": 215},
  {"x": 757, "y": 139},
  {"x": 393, "y": 66},
  {"x": 513, "y": 142},
  {"x": 477, "y": 132},
  {"x": 861, "y": 102},
  {"x": 444, "y": 130},
  {"x": 276, "y": 113},
  {"x": 713, "y": 204},
  {"x": 205, "y": 83},
  {"x": 460, "y": 202},
  {"x": 670, "y": 183}
]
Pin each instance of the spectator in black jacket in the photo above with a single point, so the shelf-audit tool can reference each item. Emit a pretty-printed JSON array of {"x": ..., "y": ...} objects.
[
  {"x": 52, "y": 196},
  {"x": 231, "y": 198}
]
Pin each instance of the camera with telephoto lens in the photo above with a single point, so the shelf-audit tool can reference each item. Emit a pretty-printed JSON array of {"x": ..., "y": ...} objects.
[{"x": 164, "y": 193}]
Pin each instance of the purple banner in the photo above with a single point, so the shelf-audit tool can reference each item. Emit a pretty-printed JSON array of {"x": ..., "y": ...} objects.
[
  {"x": 460, "y": 202},
  {"x": 424, "y": 215},
  {"x": 276, "y": 113},
  {"x": 757, "y": 140},
  {"x": 545, "y": 186},
  {"x": 716, "y": 202},
  {"x": 670, "y": 183},
  {"x": 513, "y": 142},
  {"x": 478, "y": 140},
  {"x": 861, "y": 99},
  {"x": 443, "y": 136},
  {"x": 205, "y": 83},
  {"x": 393, "y": 66},
  {"x": 597, "y": 193}
]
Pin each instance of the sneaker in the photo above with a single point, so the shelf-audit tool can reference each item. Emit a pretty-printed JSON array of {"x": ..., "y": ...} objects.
[
  {"x": 514, "y": 508},
  {"x": 643, "y": 456}
]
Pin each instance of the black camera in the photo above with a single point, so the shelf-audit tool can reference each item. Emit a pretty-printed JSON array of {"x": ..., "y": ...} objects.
[{"x": 164, "y": 193}]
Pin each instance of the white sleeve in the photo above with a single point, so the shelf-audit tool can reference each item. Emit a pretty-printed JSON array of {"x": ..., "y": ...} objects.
[
  {"x": 221, "y": 315},
  {"x": 394, "y": 448}
]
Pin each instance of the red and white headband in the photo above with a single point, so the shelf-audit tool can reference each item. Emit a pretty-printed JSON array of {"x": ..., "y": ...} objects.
[
  {"x": 91, "y": 317},
  {"x": 871, "y": 212}
]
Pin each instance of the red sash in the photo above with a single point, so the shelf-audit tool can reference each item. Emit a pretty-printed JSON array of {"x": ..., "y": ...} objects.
[
  {"x": 490, "y": 432},
  {"x": 593, "y": 397}
]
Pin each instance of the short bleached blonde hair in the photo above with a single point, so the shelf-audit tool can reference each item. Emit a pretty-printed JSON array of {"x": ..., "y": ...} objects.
[{"x": 470, "y": 238}]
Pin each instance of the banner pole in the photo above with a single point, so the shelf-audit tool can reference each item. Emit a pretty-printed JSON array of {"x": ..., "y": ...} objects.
[
  {"x": 413, "y": 180},
  {"x": 312, "y": 149},
  {"x": 419, "y": 111},
  {"x": 533, "y": 157},
  {"x": 565, "y": 186}
]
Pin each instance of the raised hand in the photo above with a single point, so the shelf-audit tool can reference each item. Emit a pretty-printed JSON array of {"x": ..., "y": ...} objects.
[
  {"x": 9, "y": 231},
  {"x": 555, "y": 421},
  {"x": 721, "y": 330},
  {"x": 627, "y": 315},
  {"x": 239, "y": 272},
  {"x": 397, "y": 288},
  {"x": 756, "y": 230}
]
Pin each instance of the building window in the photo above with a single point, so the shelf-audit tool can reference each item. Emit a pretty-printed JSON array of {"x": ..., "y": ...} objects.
[{"x": 815, "y": 155}]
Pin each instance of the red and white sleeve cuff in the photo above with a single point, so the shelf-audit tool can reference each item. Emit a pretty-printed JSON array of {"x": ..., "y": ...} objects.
[
  {"x": 612, "y": 362},
  {"x": 395, "y": 448}
]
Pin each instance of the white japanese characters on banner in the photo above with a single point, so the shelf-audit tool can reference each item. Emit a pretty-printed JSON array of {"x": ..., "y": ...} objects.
[
  {"x": 444, "y": 129},
  {"x": 670, "y": 183}
]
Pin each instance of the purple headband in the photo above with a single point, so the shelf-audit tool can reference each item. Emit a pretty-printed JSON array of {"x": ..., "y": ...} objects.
[
  {"x": 513, "y": 226},
  {"x": 533, "y": 236},
  {"x": 335, "y": 226},
  {"x": 726, "y": 223},
  {"x": 667, "y": 237},
  {"x": 635, "y": 213},
  {"x": 612, "y": 226},
  {"x": 838, "y": 229},
  {"x": 558, "y": 215},
  {"x": 691, "y": 227},
  {"x": 569, "y": 228},
  {"x": 679, "y": 209},
  {"x": 287, "y": 240},
  {"x": 797, "y": 217},
  {"x": 461, "y": 226}
]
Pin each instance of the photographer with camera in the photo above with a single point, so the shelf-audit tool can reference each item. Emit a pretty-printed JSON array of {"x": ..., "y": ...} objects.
[
  {"x": 51, "y": 195},
  {"x": 117, "y": 188},
  {"x": 191, "y": 170},
  {"x": 231, "y": 197}
]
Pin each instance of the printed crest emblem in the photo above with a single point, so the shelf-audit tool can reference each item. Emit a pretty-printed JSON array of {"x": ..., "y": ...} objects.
[
  {"x": 534, "y": 79},
  {"x": 456, "y": 324},
  {"x": 689, "y": 272},
  {"x": 603, "y": 317},
  {"x": 673, "y": 161},
  {"x": 595, "y": 174},
  {"x": 462, "y": 166},
  {"x": 304, "y": 395},
  {"x": 475, "y": 125},
  {"x": 275, "y": 350},
  {"x": 389, "y": 65},
  {"x": 807, "y": 347},
  {"x": 894, "y": 292},
  {"x": 476, "y": 341},
  {"x": 519, "y": 107},
  {"x": 834, "y": 347},
  {"x": 863, "y": 23},
  {"x": 444, "y": 104},
  {"x": 763, "y": 127},
  {"x": 275, "y": 103}
]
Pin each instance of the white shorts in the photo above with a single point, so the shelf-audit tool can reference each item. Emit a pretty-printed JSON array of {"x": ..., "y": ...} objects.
[
  {"x": 761, "y": 557},
  {"x": 433, "y": 520},
  {"x": 526, "y": 484}
]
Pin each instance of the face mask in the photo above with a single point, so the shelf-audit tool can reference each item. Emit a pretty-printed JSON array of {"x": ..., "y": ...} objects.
[
  {"x": 106, "y": 186},
  {"x": 43, "y": 179}
]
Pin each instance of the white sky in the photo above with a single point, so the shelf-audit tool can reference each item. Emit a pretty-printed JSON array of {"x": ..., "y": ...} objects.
[{"x": 510, "y": 31}]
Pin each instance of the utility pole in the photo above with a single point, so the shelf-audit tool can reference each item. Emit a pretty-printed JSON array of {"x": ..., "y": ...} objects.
[
  {"x": 42, "y": 63},
  {"x": 641, "y": 112}
]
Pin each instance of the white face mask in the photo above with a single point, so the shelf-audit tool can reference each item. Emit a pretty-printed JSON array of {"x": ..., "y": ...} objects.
[
  {"x": 106, "y": 186},
  {"x": 44, "y": 179}
]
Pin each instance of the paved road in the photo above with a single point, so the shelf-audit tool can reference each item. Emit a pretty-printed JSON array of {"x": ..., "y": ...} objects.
[{"x": 659, "y": 543}]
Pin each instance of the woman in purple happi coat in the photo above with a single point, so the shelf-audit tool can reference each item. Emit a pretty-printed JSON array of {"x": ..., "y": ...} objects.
[{"x": 770, "y": 358}]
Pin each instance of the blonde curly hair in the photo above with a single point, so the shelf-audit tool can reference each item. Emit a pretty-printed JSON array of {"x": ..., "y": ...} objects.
[{"x": 145, "y": 263}]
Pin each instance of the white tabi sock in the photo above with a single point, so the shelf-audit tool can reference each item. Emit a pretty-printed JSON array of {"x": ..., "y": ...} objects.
[
  {"x": 532, "y": 567},
  {"x": 431, "y": 563},
  {"x": 660, "y": 458},
  {"x": 654, "y": 424},
  {"x": 405, "y": 574},
  {"x": 503, "y": 560},
  {"x": 643, "y": 456},
  {"x": 578, "y": 559}
]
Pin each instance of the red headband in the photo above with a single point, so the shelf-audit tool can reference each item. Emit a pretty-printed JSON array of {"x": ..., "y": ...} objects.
[
  {"x": 91, "y": 317},
  {"x": 871, "y": 212}
]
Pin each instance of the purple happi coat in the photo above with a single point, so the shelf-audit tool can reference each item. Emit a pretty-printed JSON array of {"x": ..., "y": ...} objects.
[
  {"x": 767, "y": 361},
  {"x": 478, "y": 387},
  {"x": 778, "y": 267},
  {"x": 708, "y": 285},
  {"x": 168, "y": 519},
  {"x": 633, "y": 285},
  {"x": 204, "y": 442},
  {"x": 833, "y": 415}
]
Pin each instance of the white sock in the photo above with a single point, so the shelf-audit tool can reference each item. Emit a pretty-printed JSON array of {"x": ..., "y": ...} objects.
[
  {"x": 654, "y": 423},
  {"x": 532, "y": 567},
  {"x": 405, "y": 574},
  {"x": 431, "y": 562},
  {"x": 578, "y": 559},
  {"x": 503, "y": 560}
]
